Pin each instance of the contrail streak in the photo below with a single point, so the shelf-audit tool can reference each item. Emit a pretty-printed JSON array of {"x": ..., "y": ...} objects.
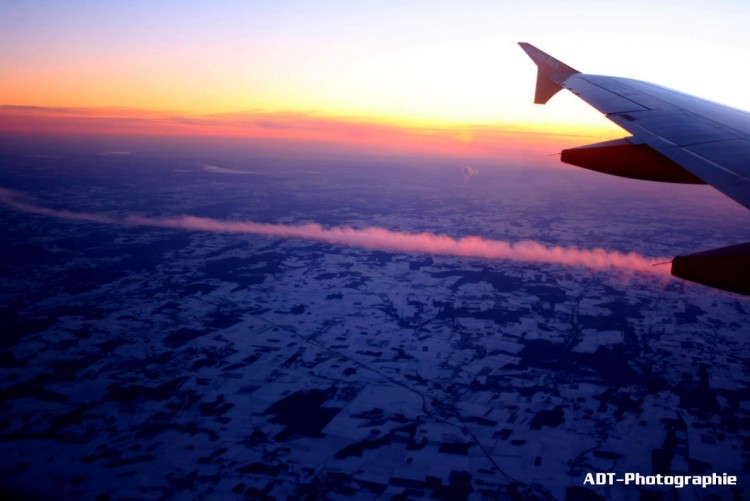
[
  {"x": 374, "y": 238},
  {"x": 15, "y": 200}
]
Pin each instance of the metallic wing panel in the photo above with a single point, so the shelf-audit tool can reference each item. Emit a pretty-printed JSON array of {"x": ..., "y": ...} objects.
[{"x": 710, "y": 140}]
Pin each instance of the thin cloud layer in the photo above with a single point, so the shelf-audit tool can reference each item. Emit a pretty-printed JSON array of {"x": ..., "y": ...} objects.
[
  {"x": 228, "y": 170},
  {"x": 374, "y": 238},
  {"x": 499, "y": 142}
]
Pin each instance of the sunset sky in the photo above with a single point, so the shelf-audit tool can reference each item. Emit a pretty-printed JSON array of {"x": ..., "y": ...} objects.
[{"x": 423, "y": 64}]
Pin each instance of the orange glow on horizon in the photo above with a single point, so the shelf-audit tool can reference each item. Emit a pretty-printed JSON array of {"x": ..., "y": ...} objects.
[{"x": 370, "y": 135}]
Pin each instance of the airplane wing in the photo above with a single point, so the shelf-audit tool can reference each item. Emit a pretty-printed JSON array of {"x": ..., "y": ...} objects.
[{"x": 675, "y": 138}]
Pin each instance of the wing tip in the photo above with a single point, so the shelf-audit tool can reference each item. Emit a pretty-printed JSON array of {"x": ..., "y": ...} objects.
[{"x": 551, "y": 73}]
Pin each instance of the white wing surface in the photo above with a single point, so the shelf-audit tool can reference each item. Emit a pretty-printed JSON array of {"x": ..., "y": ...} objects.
[
  {"x": 674, "y": 138},
  {"x": 709, "y": 140}
]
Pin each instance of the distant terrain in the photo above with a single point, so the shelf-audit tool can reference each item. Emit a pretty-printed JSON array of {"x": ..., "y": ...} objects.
[{"x": 157, "y": 363}]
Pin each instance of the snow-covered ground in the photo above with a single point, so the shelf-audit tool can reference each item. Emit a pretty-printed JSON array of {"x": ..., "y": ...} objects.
[{"x": 145, "y": 363}]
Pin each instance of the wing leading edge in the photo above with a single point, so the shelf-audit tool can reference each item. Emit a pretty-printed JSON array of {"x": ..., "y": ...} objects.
[{"x": 675, "y": 138}]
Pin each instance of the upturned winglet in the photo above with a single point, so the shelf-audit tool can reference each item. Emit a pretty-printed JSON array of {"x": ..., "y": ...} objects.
[{"x": 551, "y": 73}]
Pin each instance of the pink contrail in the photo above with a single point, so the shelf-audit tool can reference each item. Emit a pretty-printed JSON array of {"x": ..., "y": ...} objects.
[
  {"x": 428, "y": 243},
  {"x": 375, "y": 238},
  {"x": 15, "y": 200}
]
